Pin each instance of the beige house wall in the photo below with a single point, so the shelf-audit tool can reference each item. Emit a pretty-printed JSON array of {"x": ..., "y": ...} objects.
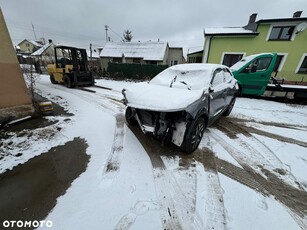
[
  {"x": 14, "y": 98},
  {"x": 175, "y": 54},
  {"x": 27, "y": 47}
]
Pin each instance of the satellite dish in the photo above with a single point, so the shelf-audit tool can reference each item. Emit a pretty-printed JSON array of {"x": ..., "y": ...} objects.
[{"x": 301, "y": 27}]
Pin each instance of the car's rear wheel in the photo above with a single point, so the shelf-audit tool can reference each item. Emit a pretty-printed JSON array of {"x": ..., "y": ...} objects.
[
  {"x": 230, "y": 107},
  {"x": 194, "y": 135},
  {"x": 129, "y": 116}
]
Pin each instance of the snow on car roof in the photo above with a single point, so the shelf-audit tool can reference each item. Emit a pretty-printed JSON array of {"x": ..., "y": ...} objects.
[
  {"x": 188, "y": 76},
  {"x": 146, "y": 50}
]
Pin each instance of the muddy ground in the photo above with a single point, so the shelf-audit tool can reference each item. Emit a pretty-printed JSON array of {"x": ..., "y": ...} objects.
[{"x": 29, "y": 191}]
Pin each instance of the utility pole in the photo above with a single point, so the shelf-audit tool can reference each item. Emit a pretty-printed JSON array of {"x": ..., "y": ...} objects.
[
  {"x": 91, "y": 55},
  {"x": 34, "y": 31},
  {"x": 106, "y": 28}
]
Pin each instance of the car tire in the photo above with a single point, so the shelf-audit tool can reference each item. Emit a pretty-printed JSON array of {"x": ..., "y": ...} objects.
[
  {"x": 53, "y": 81},
  {"x": 67, "y": 81},
  {"x": 194, "y": 135},
  {"x": 230, "y": 107},
  {"x": 129, "y": 117}
]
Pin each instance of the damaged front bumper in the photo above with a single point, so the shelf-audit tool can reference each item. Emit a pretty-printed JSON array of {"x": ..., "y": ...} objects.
[{"x": 168, "y": 127}]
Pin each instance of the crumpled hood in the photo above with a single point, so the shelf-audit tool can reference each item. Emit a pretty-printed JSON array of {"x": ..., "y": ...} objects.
[{"x": 159, "y": 98}]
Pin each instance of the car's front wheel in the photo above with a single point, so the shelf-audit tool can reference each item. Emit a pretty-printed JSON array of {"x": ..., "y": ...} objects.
[
  {"x": 194, "y": 135},
  {"x": 53, "y": 81},
  {"x": 129, "y": 116},
  {"x": 67, "y": 82}
]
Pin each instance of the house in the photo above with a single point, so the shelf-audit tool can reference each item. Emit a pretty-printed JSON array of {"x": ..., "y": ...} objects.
[
  {"x": 93, "y": 60},
  {"x": 28, "y": 46},
  {"x": 285, "y": 36},
  {"x": 195, "y": 57},
  {"x": 157, "y": 53},
  {"x": 175, "y": 56},
  {"x": 14, "y": 98},
  {"x": 45, "y": 54}
]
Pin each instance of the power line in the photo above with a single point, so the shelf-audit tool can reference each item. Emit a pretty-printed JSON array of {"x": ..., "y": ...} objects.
[{"x": 115, "y": 33}]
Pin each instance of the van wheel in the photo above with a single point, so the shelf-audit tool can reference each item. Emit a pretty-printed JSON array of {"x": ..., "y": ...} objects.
[
  {"x": 230, "y": 107},
  {"x": 193, "y": 136},
  {"x": 129, "y": 117},
  {"x": 53, "y": 81},
  {"x": 67, "y": 82}
]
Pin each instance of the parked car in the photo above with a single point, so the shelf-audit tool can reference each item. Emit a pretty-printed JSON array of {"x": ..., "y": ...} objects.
[{"x": 178, "y": 104}]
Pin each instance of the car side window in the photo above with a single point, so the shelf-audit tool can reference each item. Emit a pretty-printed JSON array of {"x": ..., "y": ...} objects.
[
  {"x": 218, "y": 78},
  {"x": 259, "y": 65}
]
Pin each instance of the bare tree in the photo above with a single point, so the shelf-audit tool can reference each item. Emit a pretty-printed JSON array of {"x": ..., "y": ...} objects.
[
  {"x": 127, "y": 35},
  {"x": 31, "y": 77}
]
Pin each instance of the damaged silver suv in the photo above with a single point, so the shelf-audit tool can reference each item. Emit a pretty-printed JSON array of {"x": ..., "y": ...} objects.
[{"x": 178, "y": 104}]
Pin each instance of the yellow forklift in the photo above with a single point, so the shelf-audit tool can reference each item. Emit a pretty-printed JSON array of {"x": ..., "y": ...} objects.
[{"x": 70, "y": 68}]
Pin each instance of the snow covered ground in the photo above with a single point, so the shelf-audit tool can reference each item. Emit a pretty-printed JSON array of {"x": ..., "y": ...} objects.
[{"x": 231, "y": 182}]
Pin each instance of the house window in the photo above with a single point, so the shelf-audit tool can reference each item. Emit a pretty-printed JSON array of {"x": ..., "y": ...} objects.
[
  {"x": 283, "y": 33},
  {"x": 174, "y": 62},
  {"x": 278, "y": 62},
  {"x": 152, "y": 62},
  {"x": 117, "y": 60},
  {"x": 192, "y": 59},
  {"x": 137, "y": 60},
  {"x": 303, "y": 65},
  {"x": 231, "y": 59}
]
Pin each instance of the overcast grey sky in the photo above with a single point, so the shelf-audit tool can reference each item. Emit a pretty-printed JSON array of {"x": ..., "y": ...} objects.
[{"x": 179, "y": 22}]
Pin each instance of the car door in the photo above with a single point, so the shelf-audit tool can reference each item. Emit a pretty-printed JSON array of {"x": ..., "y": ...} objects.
[
  {"x": 217, "y": 93},
  {"x": 230, "y": 89},
  {"x": 255, "y": 76}
]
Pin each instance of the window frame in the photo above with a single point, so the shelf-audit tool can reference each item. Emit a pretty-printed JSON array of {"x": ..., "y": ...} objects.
[
  {"x": 283, "y": 60},
  {"x": 231, "y": 53},
  {"x": 300, "y": 64},
  {"x": 280, "y": 32}
]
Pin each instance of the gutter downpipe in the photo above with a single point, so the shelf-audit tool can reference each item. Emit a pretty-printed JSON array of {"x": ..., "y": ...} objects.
[{"x": 207, "y": 47}]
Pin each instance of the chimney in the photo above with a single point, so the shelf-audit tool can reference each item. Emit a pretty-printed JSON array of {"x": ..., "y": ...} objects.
[
  {"x": 50, "y": 41},
  {"x": 252, "y": 18},
  {"x": 297, "y": 14}
]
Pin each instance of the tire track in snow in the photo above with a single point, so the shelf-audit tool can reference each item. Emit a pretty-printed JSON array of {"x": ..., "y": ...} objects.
[
  {"x": 255, "y": 151},
  {"x": 215, "y": 215},
  {"x": 175, "y": 209},
  {"x": 292, "y": 197},
  {"x": 113, "y": 163}
]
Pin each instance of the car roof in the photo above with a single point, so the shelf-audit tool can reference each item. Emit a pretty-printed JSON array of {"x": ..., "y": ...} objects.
[{"x": 197, "y": 67}]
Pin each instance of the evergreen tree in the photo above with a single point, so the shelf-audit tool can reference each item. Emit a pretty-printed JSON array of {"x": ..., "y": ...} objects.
[{"x": 127, "y": 35}]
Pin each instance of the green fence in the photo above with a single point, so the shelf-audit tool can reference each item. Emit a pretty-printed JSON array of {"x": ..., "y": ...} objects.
[{"x": 134, "y": 71}]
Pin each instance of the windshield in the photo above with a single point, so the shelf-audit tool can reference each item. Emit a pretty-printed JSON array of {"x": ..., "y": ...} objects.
[{"x": 188, "y": 78}]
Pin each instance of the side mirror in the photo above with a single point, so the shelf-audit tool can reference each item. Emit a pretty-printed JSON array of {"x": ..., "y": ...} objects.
[{"x": 211, "y": 90}]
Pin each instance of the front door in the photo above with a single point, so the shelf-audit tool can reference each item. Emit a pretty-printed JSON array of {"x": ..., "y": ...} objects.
[
  {"x": 217, "y": 94},
  {"x": 255, "y": 77}
]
